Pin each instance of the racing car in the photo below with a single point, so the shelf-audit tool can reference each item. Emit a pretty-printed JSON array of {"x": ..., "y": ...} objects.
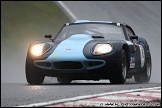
[{"x": 90, "y": 50}]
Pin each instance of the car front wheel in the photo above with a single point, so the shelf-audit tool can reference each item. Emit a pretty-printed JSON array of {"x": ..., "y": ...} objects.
[
  {"x": 119, "y": 75},
  {"x": 33, "y": 76}
]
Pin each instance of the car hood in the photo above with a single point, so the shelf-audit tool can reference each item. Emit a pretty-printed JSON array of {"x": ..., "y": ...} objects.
[{"x": 71, "y": 48}]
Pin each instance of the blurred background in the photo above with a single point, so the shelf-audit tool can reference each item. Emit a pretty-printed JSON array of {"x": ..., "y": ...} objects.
[{"x": 23, "y": 22}]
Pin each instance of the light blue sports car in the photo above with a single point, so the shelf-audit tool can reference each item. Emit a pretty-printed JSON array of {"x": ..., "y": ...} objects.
[{"x": 90, "y": 50}]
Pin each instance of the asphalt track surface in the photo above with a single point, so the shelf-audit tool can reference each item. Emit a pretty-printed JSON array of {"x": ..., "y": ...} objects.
[{"x": 144, "y": 17}]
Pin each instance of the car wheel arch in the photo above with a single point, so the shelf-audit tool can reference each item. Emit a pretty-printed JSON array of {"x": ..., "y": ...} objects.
[
  {"x": 145, "y": 45},
  {"x": 126, "y": 48}
]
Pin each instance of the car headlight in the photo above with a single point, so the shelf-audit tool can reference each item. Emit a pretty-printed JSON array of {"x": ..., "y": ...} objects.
[
  {"x": 100, "y": 49},
  {"x": 39, "y": 49}
]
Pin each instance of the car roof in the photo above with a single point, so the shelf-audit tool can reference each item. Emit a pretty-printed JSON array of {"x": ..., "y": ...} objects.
[
  {"x": 83, "y": 21},
  {"x": 93, "y": 21}
]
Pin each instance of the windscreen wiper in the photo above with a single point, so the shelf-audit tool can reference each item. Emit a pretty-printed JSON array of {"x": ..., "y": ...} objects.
[{"x": 98, "y": 36}]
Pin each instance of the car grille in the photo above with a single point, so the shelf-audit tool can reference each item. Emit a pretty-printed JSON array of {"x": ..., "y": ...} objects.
[
  {"x": 44, "y": 64},
  {"x": 68, "y": 65},
  {"x": 93, "y": 63}
]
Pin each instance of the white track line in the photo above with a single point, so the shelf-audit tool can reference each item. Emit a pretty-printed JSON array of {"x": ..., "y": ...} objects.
[
  {"x": 154, "y": 90},
  {"x": 82, "y": 97},
  {"x": 67, "y": 10},
  {"x": 146, "y": 94}
]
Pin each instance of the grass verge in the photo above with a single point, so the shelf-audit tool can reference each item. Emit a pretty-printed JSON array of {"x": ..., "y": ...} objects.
[
  {"x": 23, "y": 22},
  {"x": 29, "y": 20}
]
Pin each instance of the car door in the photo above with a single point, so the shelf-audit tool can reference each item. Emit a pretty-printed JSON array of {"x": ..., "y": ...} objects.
[{"x": 135, "y": 58}]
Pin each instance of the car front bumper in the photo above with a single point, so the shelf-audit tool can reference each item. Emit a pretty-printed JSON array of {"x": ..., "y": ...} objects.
[{"x": 69, "y": 65}]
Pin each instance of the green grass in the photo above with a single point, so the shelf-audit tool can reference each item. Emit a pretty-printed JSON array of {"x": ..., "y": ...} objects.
[{"x": 23, "y": 22}]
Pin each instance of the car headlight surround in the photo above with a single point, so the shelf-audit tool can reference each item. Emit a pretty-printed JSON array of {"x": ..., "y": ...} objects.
[
  {"x": 39, "y": 49},
  {"x": 101, "y": 49}
]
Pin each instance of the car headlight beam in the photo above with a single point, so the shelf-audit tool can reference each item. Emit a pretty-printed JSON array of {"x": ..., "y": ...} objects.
[
  {"x": 37, "y": 49},
  {"x": 101, "y": 49}
]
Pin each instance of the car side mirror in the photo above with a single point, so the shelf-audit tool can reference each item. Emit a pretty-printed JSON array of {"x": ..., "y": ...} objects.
[
  {"x": 134, "y": 37},
  {"x": 48, "y": 36}
]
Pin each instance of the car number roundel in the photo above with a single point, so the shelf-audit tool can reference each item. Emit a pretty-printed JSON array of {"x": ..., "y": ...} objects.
[{"x": 142, "y": 55}]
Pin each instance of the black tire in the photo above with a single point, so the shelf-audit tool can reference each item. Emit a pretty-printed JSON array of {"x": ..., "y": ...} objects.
[
  {"x": 144, "y": 77},
  {"x": 63, "y": 80},
  {"x": 119, "y": 75},
  {"x": 33, "y": 74}
]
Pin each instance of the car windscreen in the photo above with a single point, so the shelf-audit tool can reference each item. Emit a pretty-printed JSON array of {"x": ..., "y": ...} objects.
[{"x": 108, "y": 31}]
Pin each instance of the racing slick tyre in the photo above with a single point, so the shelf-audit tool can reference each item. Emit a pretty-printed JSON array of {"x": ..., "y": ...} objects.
[
  {"x": 145, "y": 76},
  {"x": 33, "y": 75},
  {"x": 63, "y": 80},
  {"x": 119, "y": 75}
]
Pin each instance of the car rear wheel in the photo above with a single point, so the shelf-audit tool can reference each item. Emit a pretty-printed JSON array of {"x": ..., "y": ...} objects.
[
  {"x": 145, "y": 76},
  {"x": 63, "y": 80},
  {"x": 119, "y": 75},
  {"x": 33, "y": 76}
]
